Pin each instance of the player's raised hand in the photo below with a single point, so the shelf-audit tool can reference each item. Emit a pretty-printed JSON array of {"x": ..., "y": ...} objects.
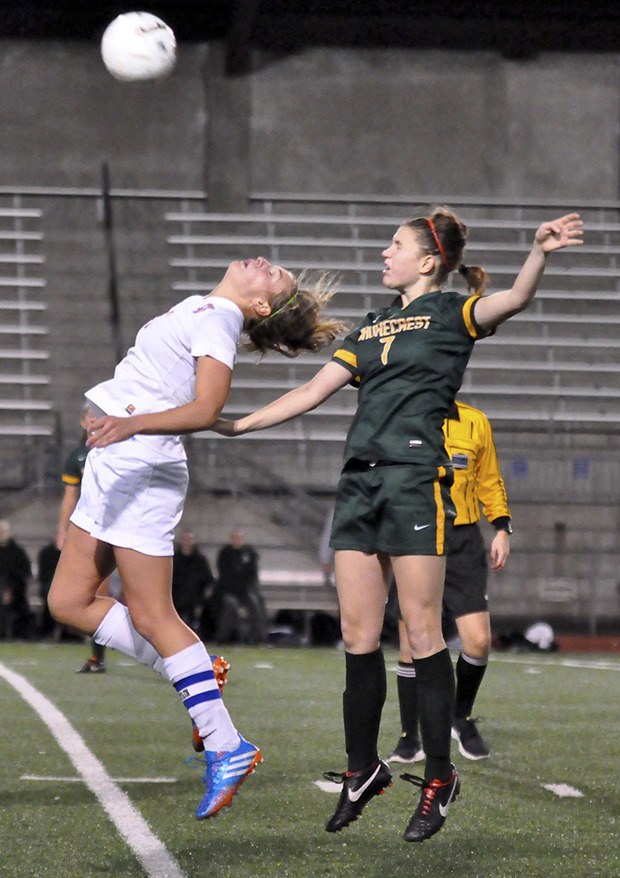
[{"x": 565, "y": 231}]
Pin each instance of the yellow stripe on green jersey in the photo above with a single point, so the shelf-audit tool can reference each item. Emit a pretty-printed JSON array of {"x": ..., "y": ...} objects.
[
  {"x": 346, "y": 356},
  {"x": 467, "y": 315}
]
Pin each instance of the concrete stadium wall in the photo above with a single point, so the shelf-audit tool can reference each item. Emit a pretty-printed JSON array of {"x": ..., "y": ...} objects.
[
  {"x": 376, "y": 121},
  {"x": 394, "y": 122},
  {"x": 64, "y": 115},
  {"x": 379, "y": 121}
]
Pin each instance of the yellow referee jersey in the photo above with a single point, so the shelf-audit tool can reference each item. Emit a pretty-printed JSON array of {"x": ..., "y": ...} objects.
[{"x": 477, "y": 477}]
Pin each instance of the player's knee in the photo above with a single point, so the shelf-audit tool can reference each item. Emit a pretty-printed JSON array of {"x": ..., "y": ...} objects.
[
  {"x": 147, "y": 620},
  {"x": 358, "y": 638},
  {"x": 62, "y": 608},
  {"x": 423, "y": 631},
  {"x": 478, "y": 646}
]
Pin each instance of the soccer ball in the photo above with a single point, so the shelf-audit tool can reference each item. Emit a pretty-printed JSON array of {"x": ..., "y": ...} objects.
[{"x": 138, "y": 45}]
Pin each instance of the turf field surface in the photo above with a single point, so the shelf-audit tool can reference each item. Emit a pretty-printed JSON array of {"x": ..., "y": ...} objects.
[{"x": 550, "y": 721}]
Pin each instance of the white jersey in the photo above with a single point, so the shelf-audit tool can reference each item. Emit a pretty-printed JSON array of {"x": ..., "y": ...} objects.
[{"x": 159, "y": 371}]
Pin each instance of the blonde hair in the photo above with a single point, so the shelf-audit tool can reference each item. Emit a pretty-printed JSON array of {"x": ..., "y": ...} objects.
[
  {"x": 444, "y": 233},
  {"x": 297, "y": 322}
]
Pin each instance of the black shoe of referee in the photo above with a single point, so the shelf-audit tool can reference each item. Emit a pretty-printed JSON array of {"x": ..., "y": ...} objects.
[{"x": 471, "y": 743}]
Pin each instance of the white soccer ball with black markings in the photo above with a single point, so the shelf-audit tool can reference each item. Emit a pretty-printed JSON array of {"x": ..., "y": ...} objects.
[{"x": 137, "y": 46}]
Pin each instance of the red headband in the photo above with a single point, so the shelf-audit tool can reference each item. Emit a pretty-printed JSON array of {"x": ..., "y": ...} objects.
[{"x": 431, "y": 225}]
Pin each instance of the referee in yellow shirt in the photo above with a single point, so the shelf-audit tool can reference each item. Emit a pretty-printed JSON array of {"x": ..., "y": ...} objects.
[{"x": 477, "y": 483}]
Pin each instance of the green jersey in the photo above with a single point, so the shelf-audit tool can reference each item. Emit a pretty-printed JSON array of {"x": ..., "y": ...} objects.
[
  {"x": 73, "y": 469},
  {"x": 408, "y": 364}
]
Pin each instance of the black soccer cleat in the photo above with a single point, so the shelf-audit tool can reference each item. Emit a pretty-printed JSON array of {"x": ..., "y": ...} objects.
[
  {"x": 358, "y": 789},
  {"x": 471, "y": 743},
  {"x": 433, "y": 807}
]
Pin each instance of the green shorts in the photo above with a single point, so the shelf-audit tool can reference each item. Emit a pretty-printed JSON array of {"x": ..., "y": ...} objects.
[{"x": 396, "y": 509}]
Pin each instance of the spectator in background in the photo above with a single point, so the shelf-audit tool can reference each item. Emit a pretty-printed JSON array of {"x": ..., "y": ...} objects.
[
  {"x": 236, "y": 596},
  {"x": 15, "y": 571},
  {"x": 191, "y": 578},
  {"x": 47, "y": 561}
]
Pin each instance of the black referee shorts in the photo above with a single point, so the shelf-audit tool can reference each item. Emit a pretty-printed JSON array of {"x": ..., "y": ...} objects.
[{"x": 467, "y": 572}]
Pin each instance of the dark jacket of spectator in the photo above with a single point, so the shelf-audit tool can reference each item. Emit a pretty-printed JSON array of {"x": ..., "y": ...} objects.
[
  {"x": 15, "y": 571},
  {"x": 191, "y": 578},
  {"x": 237, "y": 567}
]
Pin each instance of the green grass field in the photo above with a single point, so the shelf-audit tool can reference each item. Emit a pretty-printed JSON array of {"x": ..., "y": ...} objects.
[{"x": 549, "y": 720}]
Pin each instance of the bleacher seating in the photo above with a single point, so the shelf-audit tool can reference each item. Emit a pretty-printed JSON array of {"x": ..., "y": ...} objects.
[
  {"x": 303, "y": 590},
  {"x": 548, "y": 378},
  {"x": 556, "y": 365},
  {"x": 21, "y": 326},
  {"x": 26, "y": 411}
]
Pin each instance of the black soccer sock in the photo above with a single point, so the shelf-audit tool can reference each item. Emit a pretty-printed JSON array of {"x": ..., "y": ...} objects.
[
  {"x": 98, "y": 651},
  {"x": 407, "y": 698},
  {"x": 362, "y": 703},
  {"x": 435, "y": 678},
  {"x": 469, "y": 674}
]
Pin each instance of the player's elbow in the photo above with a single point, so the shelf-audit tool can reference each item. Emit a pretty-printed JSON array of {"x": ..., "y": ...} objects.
[
  {"x": 521, "y": 306},
  {"x": 210, "y": 415}
]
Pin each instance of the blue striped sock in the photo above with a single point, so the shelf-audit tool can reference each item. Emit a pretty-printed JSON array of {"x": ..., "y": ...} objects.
[
  {"x": 191, "y": 673},
  {"x": 196, "y": 689}
]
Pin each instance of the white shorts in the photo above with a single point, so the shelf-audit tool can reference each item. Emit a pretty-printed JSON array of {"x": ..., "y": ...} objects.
[{"x": 132, "y": 497}]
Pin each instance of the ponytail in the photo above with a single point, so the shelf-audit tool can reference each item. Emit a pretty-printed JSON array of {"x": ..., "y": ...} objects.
[{"x": 475, "y": 277}]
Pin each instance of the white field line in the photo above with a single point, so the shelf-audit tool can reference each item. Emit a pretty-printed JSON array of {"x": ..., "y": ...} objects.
[
  {"x": 585, "y": 664},
  {"x": 328, "y": 786},
  {"x": 131, "y": 825},
  {"x": 564, "y": 790},
  {"x": 45, "y": 777}
]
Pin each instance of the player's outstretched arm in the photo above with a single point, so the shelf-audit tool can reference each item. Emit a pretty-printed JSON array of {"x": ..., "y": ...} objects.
[
  {"x": 298, "y": 401},
  {"x": 566, "y": 231}
]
